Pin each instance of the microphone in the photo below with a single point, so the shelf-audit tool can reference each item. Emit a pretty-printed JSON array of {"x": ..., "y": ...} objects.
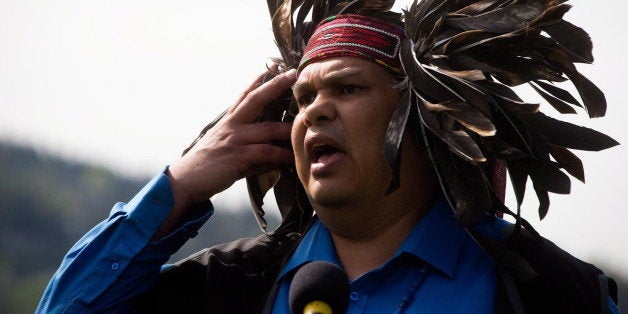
[{"x": 319, "y": 288}]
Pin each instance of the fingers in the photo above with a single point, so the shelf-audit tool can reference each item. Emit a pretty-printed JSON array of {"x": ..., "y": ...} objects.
[
  {"x": 253, "y": 103},
  {"x": 260, "y": 154},
  {"x": 265, "y": 132},
  {"x": 259, "y": 80}
]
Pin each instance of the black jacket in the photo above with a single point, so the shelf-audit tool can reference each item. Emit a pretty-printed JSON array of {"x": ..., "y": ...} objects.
[{"x": 239, "y": 277}]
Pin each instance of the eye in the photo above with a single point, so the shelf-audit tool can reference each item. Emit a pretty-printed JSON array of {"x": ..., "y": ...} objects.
[
  {"x": 349, "y": 89},
  {"x": 306, "y": 99}
]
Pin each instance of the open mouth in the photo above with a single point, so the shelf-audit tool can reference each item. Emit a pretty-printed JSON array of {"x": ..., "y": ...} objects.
[{"x": 324, "y": 152}]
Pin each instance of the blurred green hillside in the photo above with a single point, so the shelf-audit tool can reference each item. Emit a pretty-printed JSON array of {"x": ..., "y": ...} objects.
[{"x": 47, "y": 203}]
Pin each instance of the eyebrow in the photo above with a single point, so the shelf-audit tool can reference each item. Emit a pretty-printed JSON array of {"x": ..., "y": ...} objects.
[{"x": 330, "y": 79}]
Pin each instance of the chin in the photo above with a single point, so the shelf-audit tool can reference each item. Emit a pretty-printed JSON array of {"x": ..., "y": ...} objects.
[{"x": 328, "y": 196}]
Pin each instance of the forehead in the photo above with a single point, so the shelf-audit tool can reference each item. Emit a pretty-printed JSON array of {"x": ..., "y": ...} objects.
[{"x": 342, "y": 67}]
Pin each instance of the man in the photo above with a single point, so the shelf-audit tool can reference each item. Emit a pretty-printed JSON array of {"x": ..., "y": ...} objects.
[{"x": 382, "y": 217}]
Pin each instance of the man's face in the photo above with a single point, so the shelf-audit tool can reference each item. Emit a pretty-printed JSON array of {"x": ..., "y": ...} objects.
[{"x": 345, "y": 105}]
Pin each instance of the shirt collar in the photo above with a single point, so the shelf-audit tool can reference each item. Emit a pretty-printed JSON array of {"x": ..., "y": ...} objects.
[
  {"x": 316, "y": 245},
  {"x": 437, "y": 239}
]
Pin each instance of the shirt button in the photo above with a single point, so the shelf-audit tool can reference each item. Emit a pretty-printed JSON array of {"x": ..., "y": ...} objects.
[
  {"x": 115, "y": 266},
  {"x": 354, "y": 296}
]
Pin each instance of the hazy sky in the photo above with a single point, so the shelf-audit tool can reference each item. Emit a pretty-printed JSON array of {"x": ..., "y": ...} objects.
[{"x": 128, "y": 84}]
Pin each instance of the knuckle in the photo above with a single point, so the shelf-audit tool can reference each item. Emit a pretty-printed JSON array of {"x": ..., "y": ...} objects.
[
  {"x": 266, "y": 150},
  {"x": 276, "y": 80},
  {"x": 269, "y": 127},
  {"x": 222, "y": 138},
  {"x": 237, "y": 151},
  {"x": 251, "y": 97},
  {"x": 243, "y": 95}
]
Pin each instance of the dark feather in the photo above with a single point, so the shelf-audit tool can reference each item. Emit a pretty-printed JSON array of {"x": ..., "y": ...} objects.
[
  {"x": 299, "y": 215},
  {"x": 460, "y": 144},
  {"x": 424, "y": 83},
  {"x": 285, "y": 190},
  {"x": 478, "y": 7},
  {"x": 520, "y": 107},
  {"x": 490, "y": 43},
  {"x": 463, "y": 182},
  {"x": 431, "y": 20},
  {"x": 415, "y": 15},
  {"x": 470, "y": 192},
  {"x": 503, "y": 150},
  {"x": 592, "y": 97},
  {"x": 502, "y": 20},
  {"x": 518, "y": 179},
  {"x": 466, "y": 40},
  {"x": 394, "y": 136},
  {"x": 546, "y": 176},
  {"x": 551, "y": 16},
  {"x": 467, "y": 92},
  {"x": 282, "y": 27},
  {"x": 558, "y": 93},
  {"x": 522, "y": 222},
  {"x": 272, "y": 6},
  {"x": 379, "y": 5},
  {"x": 512, "y": 130},
  {"x": 256, "y": 185},
  {"x": 573, "y": 39},
  {"x": 465, "y": 115},
  {"x": 346, "y": 7},
  {"x": 465, "y": 75},
  {"x": 568, "y": 161},
  {"x": 544, "y": 201},
  {"x": 461, "y": 63},
  {"x": 500, "y": 90},
  {"x": 568, "y": 135},
  {"x": 558, "y": 104},
  {"x": 515, "y": 70}
]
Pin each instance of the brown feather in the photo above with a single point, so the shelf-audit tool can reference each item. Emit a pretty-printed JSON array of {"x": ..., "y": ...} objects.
[
  {"x": 558, "y": 104},
  {"x": 558, "y": 93},
  {"x": 465, "y": 115},
  {"x": 592, "y": 97},
  {"x": 568, "y": 135},
  {"x": 573, "y": 39},
  {"x": 501, "y": 20},
  {"x": 568, "y": 161}
]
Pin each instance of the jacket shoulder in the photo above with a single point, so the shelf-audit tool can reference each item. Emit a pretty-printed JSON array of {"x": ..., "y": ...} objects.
[
  {"x": 234, "y": 277},
  {"x": 564, "y": 283}
]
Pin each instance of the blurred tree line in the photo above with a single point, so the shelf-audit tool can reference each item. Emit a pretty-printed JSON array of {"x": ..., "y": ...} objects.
[{"x": 47, "y": 203}]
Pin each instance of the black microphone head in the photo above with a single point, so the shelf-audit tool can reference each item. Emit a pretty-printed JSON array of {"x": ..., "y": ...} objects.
[{"x": 319, "y": 281}]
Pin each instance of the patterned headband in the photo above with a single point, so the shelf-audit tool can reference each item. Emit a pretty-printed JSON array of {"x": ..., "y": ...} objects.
[{"x": 355, "y": 36}]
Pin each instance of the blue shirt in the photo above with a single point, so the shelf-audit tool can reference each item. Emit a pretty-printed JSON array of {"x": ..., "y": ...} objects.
[
  {"x": 455, "y": 266},
  {"x": 116, "y": 260}
]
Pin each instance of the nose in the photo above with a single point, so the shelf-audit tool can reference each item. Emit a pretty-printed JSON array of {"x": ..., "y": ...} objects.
[{"x": 320, "y": 111}]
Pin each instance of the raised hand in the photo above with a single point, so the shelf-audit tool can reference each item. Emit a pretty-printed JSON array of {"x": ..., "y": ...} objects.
[{"x": 235, "y": 147}]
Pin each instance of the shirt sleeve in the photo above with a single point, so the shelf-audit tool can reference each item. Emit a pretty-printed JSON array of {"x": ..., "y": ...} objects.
[
  {"x": 116, "y": 260},
  {"x": 612, "y": 307}
]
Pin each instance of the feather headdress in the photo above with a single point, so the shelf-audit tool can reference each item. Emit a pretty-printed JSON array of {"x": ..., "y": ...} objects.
[{"x": 461, "y": 58}]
